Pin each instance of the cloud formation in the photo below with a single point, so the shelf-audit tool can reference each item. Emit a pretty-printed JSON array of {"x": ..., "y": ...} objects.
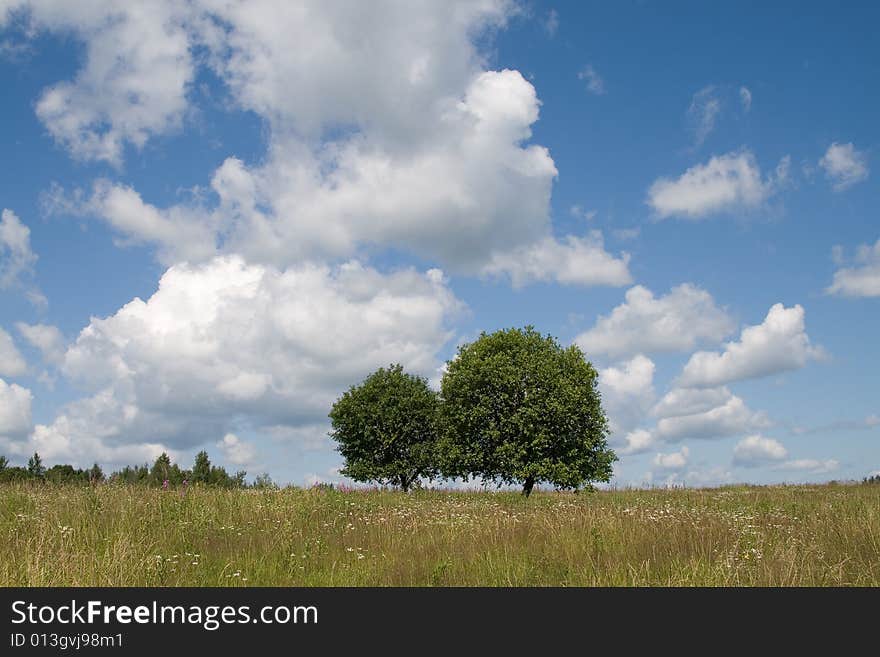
[
  {"x": 862, "y": 277},
  {"x": 574, "y": 261},
  {"x": 725, "y": 184},
  {"x": 778, "y": 344},
  {"x": 12, "y": 363},
  {"x": 756, "y": 450},
  {"x": 684, "y": 318},
  {"x": 226, "y": 344},
  {"x": 844, "y": 166}
]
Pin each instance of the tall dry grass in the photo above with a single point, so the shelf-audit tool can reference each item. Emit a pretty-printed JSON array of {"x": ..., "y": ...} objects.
[{"x": 130, "y": 536}]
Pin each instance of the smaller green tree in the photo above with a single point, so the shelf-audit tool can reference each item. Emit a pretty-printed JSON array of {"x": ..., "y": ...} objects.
[
  {"x": 96, "y": 474},
  {"x": 161, "y": 470},
  {"x": 3, "y": 463},
  {"x": 201, "y": 471},
  {"x": 386, "y": 428},
  {"x": 35, "y": 466}
]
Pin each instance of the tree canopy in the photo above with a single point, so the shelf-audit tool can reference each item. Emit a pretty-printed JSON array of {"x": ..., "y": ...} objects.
[
  {"x": 386, "y": 428},
  {"x": 517, "y": 408}
]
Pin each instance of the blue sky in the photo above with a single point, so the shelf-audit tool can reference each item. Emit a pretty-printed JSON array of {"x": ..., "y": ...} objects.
[{"x": 217, "y": 217}]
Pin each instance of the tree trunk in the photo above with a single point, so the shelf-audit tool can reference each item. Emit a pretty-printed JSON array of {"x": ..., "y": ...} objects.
[
  {"x": 528, "y": 485},
  {"x": 404, "y": 483}
]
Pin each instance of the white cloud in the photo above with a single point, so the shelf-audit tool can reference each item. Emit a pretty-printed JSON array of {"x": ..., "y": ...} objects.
[
  {"x": 575, "y": 261},
  {"x": 812, "y": 466},
  {"x": 754, "y": 450},
  {"x": 674, "y": 461},
  {"x": 679, "y": 321},
  {"x": 17, "y": 260},
  {"x": 627, "y": 392},
  {"x": 48, "y": 339},
  {"x": 862, "y": 279},
  {"x": 15, "y": 410},
  {"x": 595, "y": 83},
  {"x": 226, "y": 344},
  {"x": 133, "y": 82},
  {"x": 690, "y": 401},
  {"x": 433, "y": 157},
  {"x": 730, "y": 418},
  {"x": 778, "y": 344},
  {"x": 12, "y": 363},
  {"x": 703, "y": 111},
  {"x": 636, "y": 442},
  {"x": 726, "y": 183},
  {"x": 237, "y": 451},
  {"x": 844, "y": 165},
  {"x": 745, "y": 97},
  {"x": 181, "y": 234}
]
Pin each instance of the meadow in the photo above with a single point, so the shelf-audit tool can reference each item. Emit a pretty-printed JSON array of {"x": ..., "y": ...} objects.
[{"x": 127, "y": 535}]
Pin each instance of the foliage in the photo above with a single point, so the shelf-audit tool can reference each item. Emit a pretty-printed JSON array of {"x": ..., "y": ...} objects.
[
  {"x": 35, "y": 466},
  {"x": 519, "y": 408},
  {"x": 201, "y": 471},
  {"x": 386, "y": 428}
]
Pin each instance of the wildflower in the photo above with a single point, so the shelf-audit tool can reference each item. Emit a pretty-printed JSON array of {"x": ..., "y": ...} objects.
[{"x": 165, "y": 485}]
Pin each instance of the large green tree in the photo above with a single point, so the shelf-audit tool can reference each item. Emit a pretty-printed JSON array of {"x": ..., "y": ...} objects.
[
  {"x": 518, "y": 408},
  {"x": 386, "y": 428}
]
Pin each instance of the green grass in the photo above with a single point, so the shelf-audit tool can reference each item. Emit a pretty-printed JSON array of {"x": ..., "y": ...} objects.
[{"x": 130, "y": 536}]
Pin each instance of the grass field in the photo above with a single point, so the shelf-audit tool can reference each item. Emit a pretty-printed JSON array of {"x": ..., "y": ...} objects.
[{"x": 116, "y": 535}]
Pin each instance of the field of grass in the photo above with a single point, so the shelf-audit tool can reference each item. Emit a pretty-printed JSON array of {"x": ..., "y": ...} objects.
[{"x": 114, "y": 535}]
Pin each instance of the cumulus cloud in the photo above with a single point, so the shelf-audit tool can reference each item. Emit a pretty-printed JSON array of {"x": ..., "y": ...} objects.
[
  {"x": 703, "y": 111},
  {"x": 237, "y": 451},
  {"x": 636, "y": 442},
  {"x": 844, "y": 166},
  {"x": 12, "y": 363},
  {"x": 574, "y": 261},
  {"x": 433, "y": 156},
  {"x": 780, "y": 343},
  {"x": 133, "y": 83},
  {"x": 17, "y": 259},
  {"x": 595, "y": 83},
  {"x": 46, "y": 338},
  {"x": 726, "y": 183},
  {"x": 671, "y": 462},
  {"x": 729, "y": 417},
  {"x": 689, "y": 401},
  {"x": 226, "y": 344},
  {"x": 679, "y": 321},
  {"x": 756, "y": 450},
  {"x": 862, "y": 278},
  {"x": 627, "y": 392},
  {"x": 181, "y": 234},
  {"x": 15, "y": 411}
]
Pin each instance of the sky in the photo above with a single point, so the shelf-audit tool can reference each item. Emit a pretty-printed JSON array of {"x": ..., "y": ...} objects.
[{"x": 217, "y": 216}]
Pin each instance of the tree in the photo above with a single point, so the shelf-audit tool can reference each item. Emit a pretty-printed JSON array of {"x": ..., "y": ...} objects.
[
  {"x": 161, "y": 470},
  {"x": 35, "y": 466},
  {"x": 264, "y": 481},
  {"x": 201, "y": 471},
  {"x": 3, "y": 463},
  {"x": 96, "y": 474},
  {"x": 519, "y": 408},
  {"x": 386, "y": 428}
]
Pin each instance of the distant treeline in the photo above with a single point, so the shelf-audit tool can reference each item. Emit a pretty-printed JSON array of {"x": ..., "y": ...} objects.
[{"x": 162, "y": 473}]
